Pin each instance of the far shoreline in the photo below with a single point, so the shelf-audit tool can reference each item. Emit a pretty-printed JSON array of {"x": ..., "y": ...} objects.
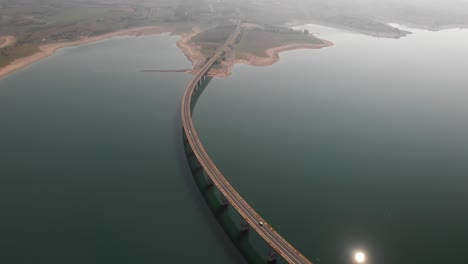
[
  {"x": 192, "y": 52},
  {"x": 195, "y": 55},
  {"x": 48, "y": 50},
  {"x": 273, "y": 56},
  {"x": 274, "y": 53}
]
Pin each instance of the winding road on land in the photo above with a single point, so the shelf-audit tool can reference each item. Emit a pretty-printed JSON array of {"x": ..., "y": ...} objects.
[{"x": 268, "y": 233}]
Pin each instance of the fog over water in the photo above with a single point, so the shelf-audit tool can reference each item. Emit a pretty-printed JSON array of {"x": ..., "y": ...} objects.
[{"x": 417, "y": 76}]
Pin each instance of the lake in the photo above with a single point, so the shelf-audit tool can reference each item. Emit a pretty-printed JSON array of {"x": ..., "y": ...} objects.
[
  {"x": 92, "y": 162},
  {"x": 362, "y": 146}
]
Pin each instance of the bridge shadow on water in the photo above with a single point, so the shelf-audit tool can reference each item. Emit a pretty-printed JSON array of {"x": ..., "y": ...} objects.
[
  {"x": 252, "y": 247},
  {"x": 215, "y": 230}
]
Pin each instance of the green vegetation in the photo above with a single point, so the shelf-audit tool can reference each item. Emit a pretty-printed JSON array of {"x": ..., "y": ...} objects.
[
  {"x": 49, "y": 21},
  {"x": 9, "y": 54},
  {"x": 253, "y": 41},
  {"x": 257, "y": 41},
  {"x": 216, "y": 35},
  {"x": 209, "y": 40},
  {"x": 35, "y": 23}
]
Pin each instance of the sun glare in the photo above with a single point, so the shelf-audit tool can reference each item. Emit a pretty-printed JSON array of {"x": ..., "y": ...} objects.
[{"x": 360, "y": 257}]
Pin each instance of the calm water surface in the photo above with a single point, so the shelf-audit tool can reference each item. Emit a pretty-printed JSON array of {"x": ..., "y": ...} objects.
[
  {"x": 90, "y": 163},
  {"x": 361, "y": 146}
]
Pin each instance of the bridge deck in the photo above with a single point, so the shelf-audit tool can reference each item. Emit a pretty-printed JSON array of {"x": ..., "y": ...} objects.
[{"x": 268, "y": 233}]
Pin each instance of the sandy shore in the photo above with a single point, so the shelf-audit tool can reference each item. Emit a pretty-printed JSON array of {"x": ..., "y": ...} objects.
[
  {"x": 6, "y": 41},
  {"x": 273, "y": 53},
  {"x": 194, "y": 54},
  {"x": 49, "y": 49},
  {"x": 273, "y": 56}
]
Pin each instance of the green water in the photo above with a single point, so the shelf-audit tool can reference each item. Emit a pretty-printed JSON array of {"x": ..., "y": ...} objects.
[
  {"x": 361, "y": 146},
  {"x": 92, "y": 168}
]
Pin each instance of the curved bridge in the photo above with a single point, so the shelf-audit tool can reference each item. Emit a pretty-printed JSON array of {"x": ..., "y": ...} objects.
[{"x": 278, "y": 244}]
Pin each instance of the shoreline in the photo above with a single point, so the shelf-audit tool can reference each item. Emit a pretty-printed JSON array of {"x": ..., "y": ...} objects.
[
  {"x": 273, "y": 56},
  {"x": 274, "y": 53},
  {"x": 431, "y": 28},
  {"x": 196, "y": 57},
  {"x": 192, "y": 52},
  {"x": 48, "y": 50},
  {"x": 376, "y": 34}
]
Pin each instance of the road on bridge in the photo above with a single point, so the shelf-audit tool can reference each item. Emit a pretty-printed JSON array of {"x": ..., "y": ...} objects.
[{"x": 268, "y": 233}]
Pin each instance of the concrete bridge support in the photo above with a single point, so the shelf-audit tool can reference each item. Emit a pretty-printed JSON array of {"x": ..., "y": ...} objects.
[
  {"x": 200, "y": 86},
  {"x": 252, "y": 244},
  {"x": 244, "y": 226},
  {"x": 190, "y": 154},
  {"x": 224, "y": 201},
  {"x": 197, "y": 170},
  {"x": 209, "y": 183},
  {"x": 272, "y": 256}
]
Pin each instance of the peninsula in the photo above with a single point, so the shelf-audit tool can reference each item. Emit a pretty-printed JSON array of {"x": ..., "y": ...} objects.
[
  {"x": 31, "y": 30},
  {"x": 256, "y": 45}
]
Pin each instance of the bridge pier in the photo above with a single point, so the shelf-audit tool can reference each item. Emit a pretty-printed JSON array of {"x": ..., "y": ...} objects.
[
  {"x": 272, "y": 256},
  {"x": 190, "y": 154},
  {"x": 204, "y": 175},
  {"x": 209, "y": 183},
  {"x": 197, "y": 170},
  {"x": 224, "y": 201},
  {"x": 244, "y": 226}
]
